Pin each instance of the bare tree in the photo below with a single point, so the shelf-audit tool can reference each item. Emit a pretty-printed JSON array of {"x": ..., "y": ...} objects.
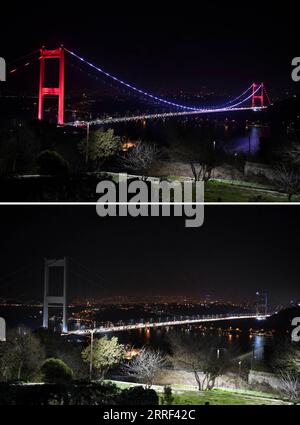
[
  {"x": 290, "y": 386},
  {"x": 287, "y": 179},
  {"x": 145, "y": 365},
  {"x": 202, "y": 170},
  {"x": 205, "y": 158},
  {"x": 140, "y": 158},
  {"x": 201, "y": 358}
]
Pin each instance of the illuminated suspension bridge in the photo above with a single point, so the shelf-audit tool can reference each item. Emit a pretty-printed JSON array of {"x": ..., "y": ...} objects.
[
  {"x": 253, "y": 98},
  {"x": 175, "y": 322}
]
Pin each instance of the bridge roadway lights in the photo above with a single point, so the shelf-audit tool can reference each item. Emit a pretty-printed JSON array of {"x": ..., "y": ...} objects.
[
  {"x": 165, "y": 115},
  {"x": 171, "y": 323}
]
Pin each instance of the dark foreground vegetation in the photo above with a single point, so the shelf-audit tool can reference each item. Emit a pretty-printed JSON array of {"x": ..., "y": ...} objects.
[
  {"x": 63, "y": 164},
  {"x": 75, "y": 393}
]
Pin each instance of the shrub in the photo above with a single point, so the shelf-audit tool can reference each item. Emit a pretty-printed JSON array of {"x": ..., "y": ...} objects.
[
  {"x": 56, "y": 371},
  {"x": 138, "y": 396},
  {"x": 52, "y": 163},
  {"x": 74, "y": 393}
]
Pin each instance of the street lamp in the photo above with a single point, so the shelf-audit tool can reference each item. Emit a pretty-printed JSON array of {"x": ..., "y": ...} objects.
[
  {"x": 87, "y": 142},
  {"x": 253, "y": 358},
  {"x": 218, "y": 352},
  {"x": 240, "y": 368},
  {"x": 92, "y": 331}
]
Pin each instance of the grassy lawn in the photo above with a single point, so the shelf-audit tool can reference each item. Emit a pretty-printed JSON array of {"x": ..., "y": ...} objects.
[
  {"x": 220, "y": 397},
  {"x": 184, "y": 396},
  {"x": 239, "y": 191},
  {"x": 235, "y": 191},
  {"x": 216, "y": 191}
]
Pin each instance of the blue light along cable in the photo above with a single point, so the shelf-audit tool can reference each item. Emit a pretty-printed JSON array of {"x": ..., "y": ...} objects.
[{"x": 151, "y": 96}]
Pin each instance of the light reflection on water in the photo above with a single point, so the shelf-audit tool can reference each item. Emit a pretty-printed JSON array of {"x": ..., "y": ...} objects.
[
  {"x": 249, "y": 142},
  {"x": 158, "y": 338}
]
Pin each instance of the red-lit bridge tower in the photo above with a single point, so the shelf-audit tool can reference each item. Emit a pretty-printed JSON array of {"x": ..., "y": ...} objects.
[
  {"x": 52, "y": 91},
  {"x": 258, "y": 95}
]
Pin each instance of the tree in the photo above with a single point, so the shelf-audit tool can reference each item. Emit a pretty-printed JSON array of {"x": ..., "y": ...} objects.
[
  {"x": 287, "y": 179},
  {"x": 200, "y": 358},
  {"x": 138, "y": 396},
  {"x": 19, "y": 148},
  {"x": 56, "y": 371},
  {"x": 59, "y": 348},
  {"x": 290, "y": 386},
  {"x": 168, "y": 396},
  {"x": 21, "y": 355},
  {"x": 287, "y": 359},
  {"x": 140, "y": 158},
  {"x": 100, "y": 146},
  {"x": 204, "y": 161},
  {"x": 106, "y": 353},
  {"x": 145, "y": 365},
  {"x": 72, "y": 357},
  {"x": 52, "y": 163},
  {"x": 202, "y": 154},
  {"x": 202, "y": 170}
]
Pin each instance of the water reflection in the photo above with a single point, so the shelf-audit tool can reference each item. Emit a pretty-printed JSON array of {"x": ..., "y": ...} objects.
[
  {"x": 249, "y": 142},
  {"x": 245, "y": 342}
]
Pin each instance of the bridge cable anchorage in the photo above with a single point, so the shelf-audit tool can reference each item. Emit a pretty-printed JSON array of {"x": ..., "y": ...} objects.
[{"x": 153, "y": 97}]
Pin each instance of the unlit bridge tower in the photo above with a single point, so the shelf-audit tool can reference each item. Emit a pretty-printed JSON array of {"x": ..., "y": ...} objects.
[{"x": 55, "y": 300}]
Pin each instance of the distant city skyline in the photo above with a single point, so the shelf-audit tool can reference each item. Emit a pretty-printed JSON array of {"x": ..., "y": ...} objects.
[{"x": 238, "y": 251}]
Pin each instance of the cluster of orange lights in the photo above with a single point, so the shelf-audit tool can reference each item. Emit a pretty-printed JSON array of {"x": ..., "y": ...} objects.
[
  {"x": 128, "y": 145},
  {"x": 131, "y": 352}
]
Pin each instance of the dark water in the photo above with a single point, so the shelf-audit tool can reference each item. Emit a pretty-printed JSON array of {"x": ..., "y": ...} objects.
[
  {"x": 236, "y": 134},
  {"x": 247, "y": 142},
  {"x": 233, "y": 334},
  {"x": 240, "y": 342}
]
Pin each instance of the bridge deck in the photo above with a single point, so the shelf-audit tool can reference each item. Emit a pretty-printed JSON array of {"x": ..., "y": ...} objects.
[
  {"x": 169, "y": 323},
  {"x": 115, "y": 120}
]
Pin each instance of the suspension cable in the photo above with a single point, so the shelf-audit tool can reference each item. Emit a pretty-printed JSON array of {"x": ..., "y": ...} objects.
[{"x": 153, "y": 97}]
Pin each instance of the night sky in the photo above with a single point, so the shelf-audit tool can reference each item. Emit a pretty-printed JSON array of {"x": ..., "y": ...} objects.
[
  {"x": 238, "y": 250},
  {"x": 164, "y": 46}
]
